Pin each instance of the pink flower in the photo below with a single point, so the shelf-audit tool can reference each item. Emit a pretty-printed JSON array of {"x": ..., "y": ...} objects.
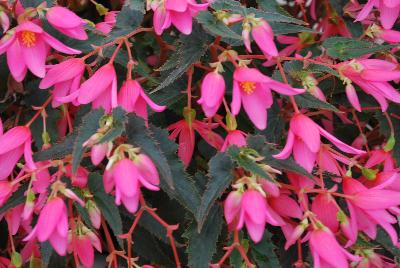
[
  {"x": 83, "y": 245},
  {"x": 67, "y": 22},
  {"x": 251, "y": 209},
  {"x": 372, "y": 76},
  {"x": 6, "y": 189},
  {"x": 128, "y": 177},
  {"x": 262, "y": 35},
  {"x": 98, "y": 153},
  {"x": 66, "y": 78},
  {"x": 110, "y": 19},
  {"x": 100, "y": 89},
  {"x": 234, "y": 137},
  {"x": 186, "y": 133},
  {"x": 176, "y": 12},
  {"x": 304, "y": 139},
  {"x": 326, "y": 251},
  {"x": 326, "y": 209},
  {"x": 80, "y": 178},
  {"x": 389, "y": 11},
  {"x": 132, "y": 98},
  {"x": 369, "y": 208},
  {"x": 13, "y": 144},
  {"x": 212, "y": 93},
  {"x": 253, "y": 89},
  {"x": 94, "y": 213},
  {"x": 52, "y": 225},
  {"x": 27, "y": 47}
]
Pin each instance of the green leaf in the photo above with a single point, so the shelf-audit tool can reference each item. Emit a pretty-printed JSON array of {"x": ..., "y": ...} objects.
[
  {"x": 306, "y": 100},
  {"x": 384, "y": 240},
  {"x": 88, "y": 127},
  {"x": 221, "y": 175},
  {"x": 344, "y": 48},
  {"x": 46, "y": 251},
  {"x": 264, "y": 252},
  {"x": 216, "y": 27},
  {"x": 17, "y": 198},
  {"x": 280, "y": 28},
  {"x": 266, "y": 150},
  {"x": 202, "y": 246},
  {"x": 248, "y": 164},
  {"x": 58, "y": 150},
  {"x": 129, "y": 19},
  {"x": 192, "y": 48},
  {"x": 118, "y": 125},
  {"x": 185, "y": 191},
  {"x": 106, "y": 204},
  {"x": 276, "y": 125}
]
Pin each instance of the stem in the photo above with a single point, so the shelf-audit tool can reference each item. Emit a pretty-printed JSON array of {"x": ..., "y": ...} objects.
[
  {"x": 39, "y": 111},
  {"x": 189, "y": 87},
  {"x": 292, "y": 100},
  {"x": 110, "y": 244}
]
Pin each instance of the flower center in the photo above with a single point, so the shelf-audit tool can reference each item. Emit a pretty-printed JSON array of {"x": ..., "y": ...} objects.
[
  {"x": 28, "y": 38},
  {"x": 248, "y": 86}
]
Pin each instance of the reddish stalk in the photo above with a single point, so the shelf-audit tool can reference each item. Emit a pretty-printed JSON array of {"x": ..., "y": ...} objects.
[
  {"x": 292, "y": 100},
  {"x": 39, "y": 111}
]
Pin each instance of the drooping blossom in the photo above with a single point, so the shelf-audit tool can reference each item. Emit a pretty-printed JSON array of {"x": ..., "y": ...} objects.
[
  {"x": 262, "y": 34},
  {"x": 80, "y": 178},
  {"x": 27, "y": 47},
  {"x": 128, "y": 177},
  {"x": 369, "y": 208},
  {"x": 94, "y": 213},
  {"x": 372, "y": 76},
  {"x": 234, "y": 137},
  {"x": 110, "y": 19},
  {"x": 132, "y": 98},
  {"x": 387, "y": 35},
  {"x": 176, "y": 12},
  {"x": 52, "y": 225},
  {"x": 82, "y": 244},
  {"x": 326, "y": 251},
  {"x": 249, "y": 208},
  {"x": 253, "y": 89},
  {"x": 212, "y": 93},
  {"x": 13, "y": 144},
  {"x": 186, "y": 129},
  {"x": 66, "y": 78},
  {"x": 389, "y": 11},
  {"x": 100, "y": 89},
  {"x": 304, "y": 140},
  {"x": 98, "y": 152},
  {"x": 67, "y": 22}
]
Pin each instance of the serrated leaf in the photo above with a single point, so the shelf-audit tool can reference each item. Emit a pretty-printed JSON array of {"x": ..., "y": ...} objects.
[
  {"x": 259, "y": 144},
  {"x": 129, "y": 19},
  {"x": 15, "y": 199},
  {"x": 264, "y": 252},
  {"x": 88, "y": 127},
  {"x": 383, "y": 239},
  {"x": 185, "y": 191},
  {"x": 118, "y": 125},
  {"x": 106, "y": 204},
  {"x": 216, "y": 27},
  {"x": 202, "y": 246},
  {"x": 46, "y": 251},
  {"x": 246, "y": 163},
  {"x": 306, "y": 100},
  {"x": 192, "y": 48},
  {"x": 221, "y": 175},
  {"x": 344, "y": 48}
]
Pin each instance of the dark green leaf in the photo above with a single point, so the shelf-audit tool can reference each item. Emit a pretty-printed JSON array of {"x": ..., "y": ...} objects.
[
  {"x": 192, "y": 48},
  {"x": 264, "y": 252},
  {"x": 221, "y": 175},
  {"x": 106, "y": 204},
  {"x": 248, "y": 164},
  {"x": 344, "y": 48},
  {"x": 306, "y": 100},
  {"x": 46, "y": 251},
  {"x": 88, "y": 127},
  {"x": 216, "y": 27},
  {"x": 16, "y": 198},
  {"x": 202, "y": 246}
]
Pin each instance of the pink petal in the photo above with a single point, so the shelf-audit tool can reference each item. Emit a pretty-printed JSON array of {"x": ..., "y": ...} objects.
[
  {"x": 244, "y": 74},
  {"x": 15, "y": 62},
  {"x": 48, "y": 218},
  {"x": 307, "y": 130},
  {"x": 341, "y": 145},
  {"x": 352, "y": 97},
  {"x": 377, "y": 199},
  {"x": 303, "y": 155},
  {"x": 57, "y": 45},
  {"x": 182, "y": 21},
  {"x": 236, "y": 98},
  {"x": 254, "y": 205},
  {"x": 255, "y": 104},
  {"x": 232, "y": 206},
  {"x": 63, "y": 71},
  {"x": 126, "y": 177},
  {"x": 85, "y": 251},
  {"x": 14, "y": 138},
  {"x": 255, "y": 230},
  {"x": 287, "y": 150},
  {"x": 389, "y": 15},
  {"x": 62, "y": 17},
  {"x": 176, "y": 5}
]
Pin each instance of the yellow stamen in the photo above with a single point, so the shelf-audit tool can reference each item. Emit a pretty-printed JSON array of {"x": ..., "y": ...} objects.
[
  {"x": 28, "y": 38},
  {"x": 248, "y": 87}
]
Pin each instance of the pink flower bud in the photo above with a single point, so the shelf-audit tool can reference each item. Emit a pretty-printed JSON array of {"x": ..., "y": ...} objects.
[{"x": 212, "y": 93}]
